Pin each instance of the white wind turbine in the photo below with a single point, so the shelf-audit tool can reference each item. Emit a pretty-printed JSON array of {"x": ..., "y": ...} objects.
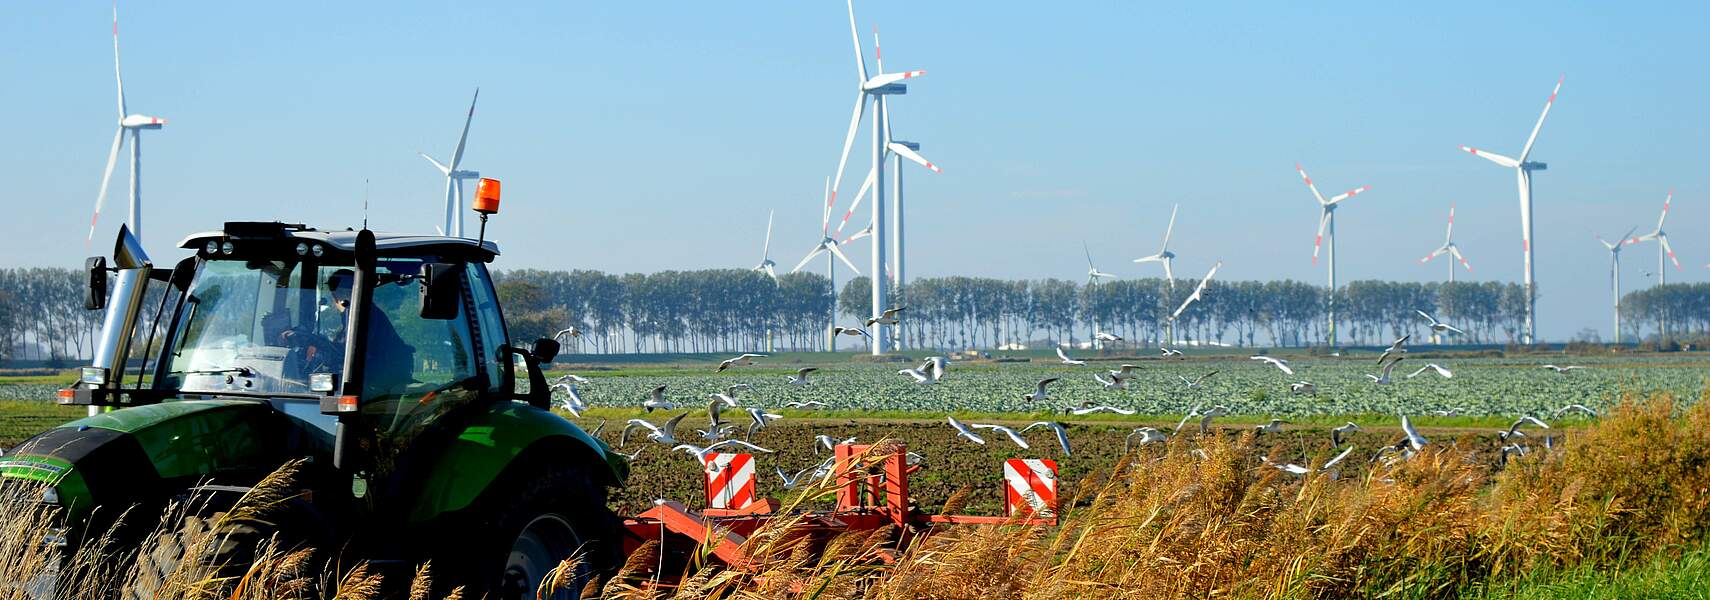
[
  {"x": 899, "y": 150},
  {"x": 875, "y": 88},
  {"x": 1665, "y": 253},
  {"x": 1327, "y": 226},
  {"x": 455, "y": 177},
  {"x": 828, "y": 246},
  {"x": 1523, "y": 175},
  {"x": 1164, "y": 254},
  {"x": 1614, "y": 249},
  {"x": 1449, "y": 248},
  {"x": 135, "y": 124},
  {"x": 1093, "y": 276},
  {"x": 766, "y": 265}
]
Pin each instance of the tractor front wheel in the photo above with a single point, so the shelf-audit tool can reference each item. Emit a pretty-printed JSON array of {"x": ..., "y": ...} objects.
[{"x": 560, "y": 513}]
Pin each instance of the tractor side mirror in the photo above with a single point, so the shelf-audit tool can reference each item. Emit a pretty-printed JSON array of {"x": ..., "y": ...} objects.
[
  {"x": 95, "y": 294},
  {"x": 545, "y": 349},
  {"x": 441, "y": 290}
]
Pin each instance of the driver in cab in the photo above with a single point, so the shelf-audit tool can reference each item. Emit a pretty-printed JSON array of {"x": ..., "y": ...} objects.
[{"x": 388, "y": 367}]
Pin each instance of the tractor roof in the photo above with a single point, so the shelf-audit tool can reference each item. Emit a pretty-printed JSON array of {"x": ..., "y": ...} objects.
[{"x": 343, "y": 241}]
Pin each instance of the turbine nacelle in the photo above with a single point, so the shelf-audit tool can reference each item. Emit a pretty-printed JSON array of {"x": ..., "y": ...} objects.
[{"x": 141, "y": 122}]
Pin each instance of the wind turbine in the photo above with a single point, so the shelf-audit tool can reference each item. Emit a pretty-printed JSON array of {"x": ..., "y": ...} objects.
[
  {"x": 1615, "y": 273},
  {"x": 135, "y": 124},
  {"x": 1665, "y": 253},
  {"x": 766, "y": 265},
  {"x": 1449, "y": 248},
  {"x": 455, "y": 177},
  {"x": 899, "y": 150},
  {"x": 1523, "y": 175},
  {"x": 875, "y": 88},
  {"x": 1093, "y": 275},
  {"x": 1164, "y": 254},
  {"x": 828, "y": 246},
  {"x": 1327, "y": 225}
]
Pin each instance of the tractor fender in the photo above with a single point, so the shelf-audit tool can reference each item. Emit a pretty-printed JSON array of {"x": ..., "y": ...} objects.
[{"x": 492, "y": 441}]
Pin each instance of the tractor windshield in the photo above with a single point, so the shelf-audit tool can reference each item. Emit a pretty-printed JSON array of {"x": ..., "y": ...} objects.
[{"x": 268, "y": 327}]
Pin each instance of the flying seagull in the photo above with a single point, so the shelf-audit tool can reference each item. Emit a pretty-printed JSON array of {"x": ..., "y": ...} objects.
[
  {"x": 1198, "y": 291},
  {"x": 1302, "y": 387},
  {"x": 1383, "y": 379},
  {"x": 889, "y": 317},
  {"x": 1088, "y": 408},
  {"x": 1111, "y": 384},
  {"x": 1169, "y": 352},
  {"x": 801, "y": 376},
  {"x": 1013, "y": 436},
  {"x": 1395, "y": 347},
  {"x": 1039, "y": 392},
  {"x": 1562, "y": 370},
  {"x": 1275, "y": 426},
  {"x": 1338, "y": 433},
  {"x": 1432, "y": 367},
  {"x": 1125, "y": 373},
  {"x": 1069, "y": 361},
  {"x": 850, "y": 331},
  {"x": 1198, "y": 382},
  {"x": 1437, "y": 326},
  {"x": 1057, "y": 428},
  {"x": 963, "y": 431},
  {"x": 701, "y": 453},
  {"x": 740, "y": 361},
  {"x": 665, "y": 434},
  {"x": 657, "y": 400},
  {"x": 1279, "y": 363},
  {"x": 1106, "y": 337},
  {"x": 1581, "y": 408},
  {"x": 1147, "y": 436}
]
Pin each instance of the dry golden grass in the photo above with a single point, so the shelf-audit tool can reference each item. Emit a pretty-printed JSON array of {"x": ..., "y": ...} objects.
[{"x": 1196, "y": 517}]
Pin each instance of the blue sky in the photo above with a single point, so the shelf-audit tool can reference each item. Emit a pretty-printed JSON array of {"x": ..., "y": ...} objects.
[{"x": 648, "y": 136}]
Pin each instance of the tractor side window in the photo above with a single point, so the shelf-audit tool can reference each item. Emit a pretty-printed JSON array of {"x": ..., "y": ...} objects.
[
  {"x": 493, "y": 333},
  {"x": 417, "y": 369}
]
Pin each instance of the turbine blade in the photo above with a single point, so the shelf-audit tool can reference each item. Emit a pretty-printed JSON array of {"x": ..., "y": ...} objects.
[
  {"x": 1308, "y": 180},
  {"x": 117, "y": 75},
  {"x": 905, "y": 152},
  {"x": 1450, "y": 236},
  {"x": 1456, "y": 252},
  {"x": 1088, "y": 252},
  {"x": 878, "y": 55},
  {"x": 860, "y": 61},
  {"x": 817, "y": 250},
  {"x": 825, "y": 216},
  {"x": 106, "y": 176},
  {"x": 436, "y": 164},
  {"x": 859, "y": 196},
  {"x": 1323, "y": 220},
  {"x": 1434, "y": 254},
  {"x": 457, "y": 155},
  {"x": 839, "y": 253},
  {"x": 1669, "y": 250},
  {"x": 1667, "y": 200},
  {"x": 1525, "y": 183},
  {"x": 1492, "y": 157},
  {"x": 1527, "y": 150},
  {"x": 766, "y": 250},
  {"x": 1350, "y": 193},
  {"x": 879, "y": 81},
  {"x": 848, "y": 143},
  {"x": 1170, "y": 229}
]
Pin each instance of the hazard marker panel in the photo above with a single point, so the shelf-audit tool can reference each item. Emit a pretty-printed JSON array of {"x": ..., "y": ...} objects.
[
  {"x": 1032, "y": 481},
  {"x": 730, "y": 480}
]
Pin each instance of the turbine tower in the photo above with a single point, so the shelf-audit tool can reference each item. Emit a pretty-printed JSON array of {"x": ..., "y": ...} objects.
[
  {"x": 455, "y": 177},
  {"x": 1327, "y": 225},
  {"x": 1523, "y": 175},
  {"x": 899, "y": 150},
  {"x": 1449, "y": 248},
  {"x": 1665, "y": 253},
  {"x": 135, "y": 124},
  {"x": 1615, "y": 274},
  {"x": 874, "y": 88},
  {"x": 828, "y": 246}
]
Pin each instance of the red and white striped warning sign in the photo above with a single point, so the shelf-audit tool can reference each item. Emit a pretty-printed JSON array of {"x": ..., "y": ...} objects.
[
  {"x": 1033, "y": 481},
  {"x": 730, "y": 480}
]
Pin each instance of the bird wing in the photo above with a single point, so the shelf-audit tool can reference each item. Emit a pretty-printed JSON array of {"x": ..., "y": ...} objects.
[
  {"x": 1332, "y": 462},
  {"x": 670, "y": 429},
  {"x": 1062, "y": 355},
  {"x": 1427, "y": 317},
  {"x": 1062, "y": 439}
]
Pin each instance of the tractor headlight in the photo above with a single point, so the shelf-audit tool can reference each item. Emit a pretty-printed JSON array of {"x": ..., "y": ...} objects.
[
  {"x": 92, "y": 375},
  {"x": 212, "y": 247},
  {"x": 321, "y": 382},
  {"x": 226, "y": 247},
  {"x": 318, "y": 250},
  {"x": 302, "y": 249},
  {"x": 50, "y": 496}
]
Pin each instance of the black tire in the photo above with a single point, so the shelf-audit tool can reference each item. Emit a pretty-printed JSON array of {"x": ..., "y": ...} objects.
[
  {"x": 208, "y": 546},
  {"x": 547, "y": 514}
]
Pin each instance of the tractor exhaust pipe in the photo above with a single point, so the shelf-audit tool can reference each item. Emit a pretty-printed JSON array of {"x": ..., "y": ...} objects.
[{"x": 114, "y": 344}]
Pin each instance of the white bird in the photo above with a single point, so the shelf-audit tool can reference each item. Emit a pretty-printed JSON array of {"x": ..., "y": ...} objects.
[
  {"x": 761, "y": 420},
  {"x": 850, "y": 331},
  {"x": 1334, "y": 461},
  {"x": 1294, "y": 469},
  {"x": 1183, "y": 423},
  {"x": 1524, "y": 420},
  {"x": 631, "y": 456},
  {"x": 1125, "y": 373},
  {"x": 1106, "y": 337},
  {"x": 830, "y": 444},
  {"x": 888, "y": 317},
  {"x": 1446, "y": 413},
  {"x": 1395, "y": 347},
  {"x": 801, "y": 376},
  {"x": 1336, "y": 434},
  {"x": 1039, "y": 392},
  {"x": 1147, "y": 436},
  {"x": 1302, "y": 387},
  {"x": 1275, "y": 426},
  {"x": 1581, "y": 408},
  {"x": 806, "y": 405},
  {"x": 1562, "y": 370},
  {"x": 792, "y": 481},
  {"x": 1169, "y": 352},
  {"x": 1198, "y": 382},
  {"x": 1515, "y": 449},
  {"x": 573, "y": 402},
  {"x": 1437, "y": 326},
  {"x": 1013, "y": 436},
  {"x": 1414, "y": 440},
  {"x": 569, "y": 377},
  {"x": 1069, "y": 361},
  {"x": 1383, "y": 378},
  {"x": 567, "y": 332},
  {"x": 701, "y": 453},
  {"x": 936, "y": 366},
  {"x": 1087, "y": 409},
  {"x": 1290, "y": 468},
  {"x": 1279, "y": 363},
  {"x": 1432, "y": 367},
  {"x": 962, "y": 430},
  {"x": 740, "y": 361},
  {"x": 733, "y": 388},
  {"x": 666, "y": 434},
  {"x": 1057, "y": 428},
  {"x": 1206, "y": 417},
  {"x": 1198, "y": 291},
  {"x": 919, "y": 376},
  {"x": 718, "y": 432},
  {"x": 1111, "y": 384},
  {"x": 657, "y": 401},
  {"x": 715, "y": 407}
]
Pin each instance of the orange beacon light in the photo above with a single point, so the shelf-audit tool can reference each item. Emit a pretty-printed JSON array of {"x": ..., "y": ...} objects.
[{"x": 486, "y": 203}]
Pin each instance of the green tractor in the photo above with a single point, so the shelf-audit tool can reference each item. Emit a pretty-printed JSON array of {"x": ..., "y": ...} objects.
[{"x": 377, "y": 365}]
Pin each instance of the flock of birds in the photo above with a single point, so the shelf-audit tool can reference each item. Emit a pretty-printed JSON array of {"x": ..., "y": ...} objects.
[{"x": 719, "y": 432}]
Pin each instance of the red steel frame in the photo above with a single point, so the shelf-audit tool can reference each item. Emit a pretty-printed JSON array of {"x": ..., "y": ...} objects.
[{"x": 872, "y": 491}]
